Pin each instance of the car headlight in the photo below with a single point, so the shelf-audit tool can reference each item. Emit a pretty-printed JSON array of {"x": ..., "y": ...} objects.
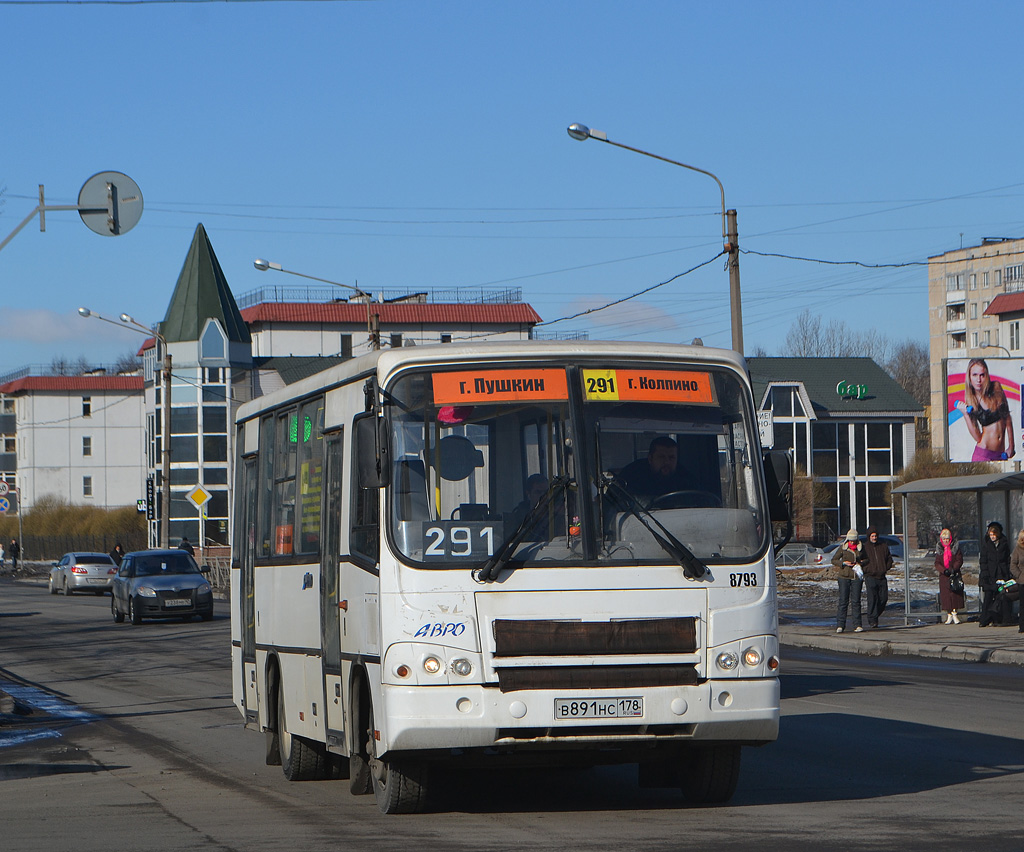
[
  {"x": 146, "y": 592},
  {"x": 204, "y": 589}
]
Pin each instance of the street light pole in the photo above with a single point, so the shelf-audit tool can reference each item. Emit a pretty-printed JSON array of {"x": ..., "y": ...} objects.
[
  {"x": 372, "y": 328},
  {"x": 165, "y": 437},
  {"x": 730, "y": 230},
  {"x": 987, "y": 345}
]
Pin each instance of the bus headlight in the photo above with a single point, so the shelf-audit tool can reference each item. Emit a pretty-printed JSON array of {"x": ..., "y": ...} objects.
[
  {"x": 432, "y": 665},
  {"x": 727, "y": 661},
  {"x": 752, "y": 657},
  {"x": 462, "y": 667}
]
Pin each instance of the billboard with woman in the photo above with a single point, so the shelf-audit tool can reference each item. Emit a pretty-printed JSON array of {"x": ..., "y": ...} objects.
[{"x": 983, "y": 409}]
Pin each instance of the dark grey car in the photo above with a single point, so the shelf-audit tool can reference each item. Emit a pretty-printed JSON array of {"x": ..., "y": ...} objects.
[{"x": 160, "y": 584}]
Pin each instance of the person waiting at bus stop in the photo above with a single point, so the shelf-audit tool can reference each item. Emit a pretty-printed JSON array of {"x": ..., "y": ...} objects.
[
  {"x": 993, "y": 571},
  {"x": 878, "y": 563},
  {"x": 848, "y": 561}
]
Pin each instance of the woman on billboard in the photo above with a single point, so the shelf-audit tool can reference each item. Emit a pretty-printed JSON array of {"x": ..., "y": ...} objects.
[{"x": 987, "y": 414}]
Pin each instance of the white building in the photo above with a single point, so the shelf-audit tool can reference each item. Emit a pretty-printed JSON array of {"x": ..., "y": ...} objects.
[{"x": 78, "y": 438}]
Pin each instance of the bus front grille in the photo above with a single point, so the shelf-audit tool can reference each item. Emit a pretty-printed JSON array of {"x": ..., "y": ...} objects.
[
  {"x": 596, "y": 677},
  {"x": 540, "y": 638}
]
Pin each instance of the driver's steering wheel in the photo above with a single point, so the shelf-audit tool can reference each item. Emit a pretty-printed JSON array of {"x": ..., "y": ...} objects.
[{"x": 686, "y": 500}]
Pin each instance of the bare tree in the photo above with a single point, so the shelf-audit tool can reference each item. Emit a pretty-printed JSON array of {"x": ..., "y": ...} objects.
[
  {"x": 127, "y": 363},
  {"x": 810, "y": 337},
  {"x": 910, "y": 366},
  {"x": 63, "y": 366}
]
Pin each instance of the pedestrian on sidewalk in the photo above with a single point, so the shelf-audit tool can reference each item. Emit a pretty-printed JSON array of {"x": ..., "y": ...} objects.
[
  {"x": 993, "y": 571},
  {"x": 14, "y": 551},
  {"x": 1017, "y": 573},
  {"x": 848, "y": 562},
  {"x": 948, "y": 563},
  {"x": 3, "y": 557},
  {"x": 878, "y": 562}
]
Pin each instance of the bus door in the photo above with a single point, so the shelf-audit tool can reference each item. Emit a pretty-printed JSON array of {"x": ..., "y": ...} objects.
[
  {"x": 247, "y": 564},
  {"x": 330, "y": 613}
]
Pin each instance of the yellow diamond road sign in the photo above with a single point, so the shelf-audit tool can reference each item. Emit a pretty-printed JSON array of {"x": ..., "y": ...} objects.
[{"x": 198, "y": 496}]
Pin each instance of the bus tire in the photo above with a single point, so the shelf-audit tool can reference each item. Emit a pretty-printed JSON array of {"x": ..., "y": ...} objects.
[
  {"x": 709, "y": 774},
  {"x": 399, "y": 787},
  {"x": 301, "y": 759},
  {"x": 359, "y": 781}
]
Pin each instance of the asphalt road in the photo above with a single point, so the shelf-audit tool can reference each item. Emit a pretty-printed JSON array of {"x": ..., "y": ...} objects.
[{"x": 873, "y": 754}]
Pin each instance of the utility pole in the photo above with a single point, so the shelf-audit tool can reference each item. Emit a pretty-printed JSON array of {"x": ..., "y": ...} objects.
[{"x": 732, "y": 245}]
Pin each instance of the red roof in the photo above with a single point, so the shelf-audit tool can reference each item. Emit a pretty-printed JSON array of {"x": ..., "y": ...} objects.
[
  {"x": 1005, "y": 303},
  {"x": 402, "y": 313},
  {"x": 74, "y": 384}
]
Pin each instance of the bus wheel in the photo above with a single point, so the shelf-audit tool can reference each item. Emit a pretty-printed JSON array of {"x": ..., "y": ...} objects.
[
  {"x": 400, "y": 788},
  {"x": 301, "y": 759},
  {"x": 709, "y": 774}
]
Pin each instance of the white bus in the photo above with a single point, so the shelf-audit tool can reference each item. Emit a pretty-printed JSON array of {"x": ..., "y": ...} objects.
[{"x": 481, "y": 553}]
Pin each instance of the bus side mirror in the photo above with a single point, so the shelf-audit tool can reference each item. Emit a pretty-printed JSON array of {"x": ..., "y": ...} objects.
[
  {"x": 373, "y": 457},
  {"x": 778, "y": 478}
]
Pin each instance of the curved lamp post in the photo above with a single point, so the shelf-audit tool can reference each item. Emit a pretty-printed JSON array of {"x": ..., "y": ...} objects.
[
  {"x": 263, "y": 265},
  {"x": 730, "y": 232},
  {"x": 987, "y": 345},
  {"x": 165, "y": 438}
]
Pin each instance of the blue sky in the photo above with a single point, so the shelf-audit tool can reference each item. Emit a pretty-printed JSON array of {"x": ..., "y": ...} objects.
[{"x": 409, "y": 145}]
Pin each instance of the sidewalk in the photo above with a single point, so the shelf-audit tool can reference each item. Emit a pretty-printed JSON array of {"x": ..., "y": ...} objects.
[{"x": 965, "y": 642}]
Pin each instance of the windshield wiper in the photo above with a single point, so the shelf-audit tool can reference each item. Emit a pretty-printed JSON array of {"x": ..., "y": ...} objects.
[
  {"x": 693, "y": 568},
  {"x": 488, "y": 572}
]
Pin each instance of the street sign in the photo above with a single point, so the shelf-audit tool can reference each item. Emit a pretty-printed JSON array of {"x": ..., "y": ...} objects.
[
  {"x": 198, "y": 497},
  {"x": 5, "y": 505},
  {"x": 766, "y": 426},
  {"x": 3, "y": 487}
]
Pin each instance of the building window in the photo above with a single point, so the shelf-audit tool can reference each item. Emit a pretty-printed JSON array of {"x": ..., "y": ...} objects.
[
  {"x": 1014, "y": 336},
  {"x": 988, "y": 338},
  {"x": 973, "y": 281},
  {"x": 87, "y": 486},
  {"x": 214, "y": 376},
  {"x": 955, "y": 281},
  {"x": 396, "y": 341},
  {"x": 86, "y": 445},
  {"x": 10, "y": 445},
  {"x": 999, "y": 278},
  {"x": 958, "y": 341},
  {"x": 7, "y": 406},
  {"x": 984, "y": 279},
  {"x": 984, "y": 306},
  {"x": 86, "y": 406},
  {"x": 1014, "y": 276},
  {"x": 974, "y": 310},
  {"x": 346, "y": 346},
  {"x": 446, "y": 338},
  {"x": 974, "y": 340}
]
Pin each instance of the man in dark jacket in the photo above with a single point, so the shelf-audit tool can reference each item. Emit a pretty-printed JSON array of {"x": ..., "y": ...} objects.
[
  {"x": 878, "y": 563},
  {"x": 993, "y": 566}
]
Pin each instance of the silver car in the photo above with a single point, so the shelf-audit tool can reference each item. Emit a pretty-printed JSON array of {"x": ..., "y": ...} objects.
[
  {"x": 160, "y": 584},
  {"x": 82, "y": 572}
]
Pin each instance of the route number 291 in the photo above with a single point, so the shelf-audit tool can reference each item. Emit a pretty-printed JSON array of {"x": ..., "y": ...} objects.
[{"x": 455, "y": 540}]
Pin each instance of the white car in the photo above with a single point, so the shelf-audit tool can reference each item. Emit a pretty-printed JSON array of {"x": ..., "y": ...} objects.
[{"x": 799, "y": 555}]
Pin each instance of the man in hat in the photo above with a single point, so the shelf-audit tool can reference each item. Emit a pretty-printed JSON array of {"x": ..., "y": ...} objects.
[{"x": 878, "y": 564}]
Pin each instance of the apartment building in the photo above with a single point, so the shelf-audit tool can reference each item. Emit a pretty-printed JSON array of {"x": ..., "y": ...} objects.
[{"x": 975, "y": 308}]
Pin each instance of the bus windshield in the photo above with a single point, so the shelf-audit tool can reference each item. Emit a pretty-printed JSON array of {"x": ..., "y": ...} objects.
[{"x": 611, "y": 465}]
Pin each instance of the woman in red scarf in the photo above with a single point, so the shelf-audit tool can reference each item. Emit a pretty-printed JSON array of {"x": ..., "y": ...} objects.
[{"x": 948, "y": 562}]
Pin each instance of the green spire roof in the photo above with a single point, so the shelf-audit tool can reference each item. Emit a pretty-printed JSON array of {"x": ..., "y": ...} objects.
[{"x": 202, "y": 292}]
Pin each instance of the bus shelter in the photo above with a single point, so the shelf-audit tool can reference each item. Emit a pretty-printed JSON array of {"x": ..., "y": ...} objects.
[{"x": 998, "y": 499}]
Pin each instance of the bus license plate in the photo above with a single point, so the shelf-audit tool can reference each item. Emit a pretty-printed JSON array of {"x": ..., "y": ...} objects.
[{"x": 598, "y": 708}]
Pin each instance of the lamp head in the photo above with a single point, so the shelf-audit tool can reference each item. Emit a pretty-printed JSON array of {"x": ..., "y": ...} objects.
[
  {"x": 85, "y": 312},
  {"x": 126, "y": 318},
  {"x": 579, "y": 131},
  {"x": 263, "y": 265}
]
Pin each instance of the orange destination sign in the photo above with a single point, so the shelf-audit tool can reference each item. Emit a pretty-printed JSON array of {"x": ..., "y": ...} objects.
[
  {"x": 470, "y": 386},
  {"x": 649, "y": 385}
]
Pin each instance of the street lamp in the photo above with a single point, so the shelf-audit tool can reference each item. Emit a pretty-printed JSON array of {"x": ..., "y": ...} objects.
[
  {"x": 374, "y": 332},
  {"x": 987, "y": 345},
  {"x": 165, "y": 439},
  {"x": 730, "y": 232}
]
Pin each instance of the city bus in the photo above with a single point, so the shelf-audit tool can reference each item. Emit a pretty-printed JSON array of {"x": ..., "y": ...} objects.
[{"x": 481, "y": 554}]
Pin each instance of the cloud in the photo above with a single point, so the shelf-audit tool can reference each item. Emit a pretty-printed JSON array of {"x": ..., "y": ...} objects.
[
  {"x": 44, "y": 326},
  {"x": 636, "y": 315}
]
